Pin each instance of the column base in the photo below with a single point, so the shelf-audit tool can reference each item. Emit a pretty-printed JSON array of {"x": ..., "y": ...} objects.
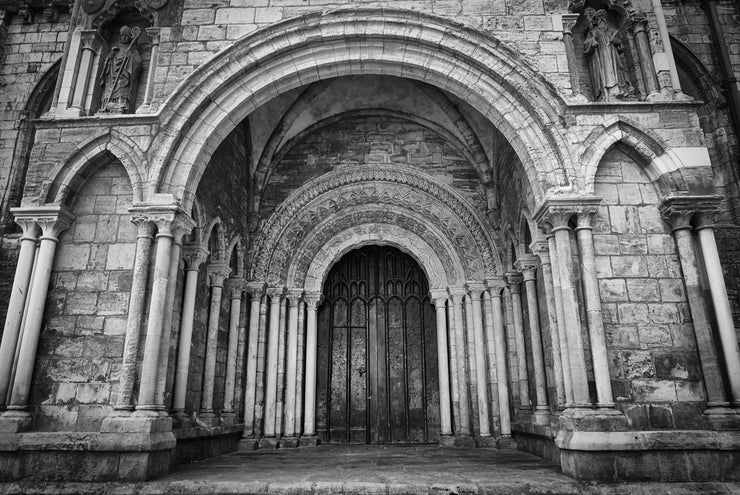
[
  {"x": 288, "y": 442},
  {"x": 485, "y": 442},
  {"x": 588, "y": 419},
  {"x": 541, "y": 416},
  {"x": 247, "y": 445},
  {"x": 270, "y": 443},
  {"x": 309, "y": 441},
  {"x": 465, "y": 441},
  {"x": 207, "y": 419},
  {"x": 507, "y": 442},
  {"x": 181, "y": 420},
  {"x": 136, "y": 423},
  {"x": 447, "y": 441},
  {"x": 722, "y": 418},
  {"x": 228, "y": 418},
  {"x": 15, "y": 421}
]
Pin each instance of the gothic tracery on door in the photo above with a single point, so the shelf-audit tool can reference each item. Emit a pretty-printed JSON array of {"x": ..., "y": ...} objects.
[{"x": 377, "y": 356}]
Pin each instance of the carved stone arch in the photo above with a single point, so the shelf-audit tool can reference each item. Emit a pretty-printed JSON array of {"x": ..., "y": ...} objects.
[
  {"x": 199, "y": 217},
  {"x": 109, "y": 14},
  {"x": 215, "y": 223},
  {"x": 78, "y": 165},
  {"x": 381, "y": 184},
  {"x": 487, "y": 74},
  {"x": 235, "y": 247},
  {"x": 275, "y": 148},
  {"x": 527, "y": 231},
  {"x": 361, "y": 235}
]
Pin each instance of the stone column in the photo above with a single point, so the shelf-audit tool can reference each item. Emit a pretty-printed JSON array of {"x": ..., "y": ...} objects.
[
  {"x": 457, "y": 294},
  {"x": 597, "y": 336},
  {"x": 194, "y": 257},
  {"x": 236, "y": 286},
  {"x": 514, "y": 280},
  {"x": 678, "y": 214},
  {"x": 312, "y": 299},
  {"x": 217, "y": 272},
  {"x": 259, "y": 412},
  {"x": 502, "y": 383},
  {"x": 167, "y": 220},
  {"x": 53, "y": 221},
  {"x": 146, "y": 106},
  {"x": 639, "y": 28},
  {"x": 291, "y": 358},
  {"x": 475, "y": 292},
  {"x": 255, "y": 291},
  {"x": 282, "y": 337},
  {"x": 472, "y": 382},
  {"x": 557, "y": 214},
  {"x": 17, "y": 302},
  {"x": 527, "y": 264},
  {"x": 300, "y": 366},
  {"x": 722, "y": 309},
  {"x": 276, "y": 299},
  {"x": 445, "y": 417},
  {"x": 540, "y": 248},
  {"x": 135, "y": 312},
  {"x": 569, "y": 20},
  {"x": 562, "y": 332}
]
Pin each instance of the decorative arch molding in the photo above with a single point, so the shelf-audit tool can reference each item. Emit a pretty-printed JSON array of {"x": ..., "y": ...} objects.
[
  {"x": 217, "y": 224},
  {"x": 362, "y": 235},
  {"x": 404, "y": 189},
  {"x": 78, "y": 165},
  {"x": 484, "y": 72},
  {"x": 276, "y": 146}
]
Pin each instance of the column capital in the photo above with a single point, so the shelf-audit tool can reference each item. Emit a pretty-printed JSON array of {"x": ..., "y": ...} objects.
[
  {"x": 527, "y": 265},
  {"x": 171, "y": 220},
  {"x": 217, "y": 272},
  {"x": 255, "y": 290},
  {"x": 236, "y": 286},
  {"x": 53, "y": 220},
  {"x": 438, "y": 294},
  {"x": 569, "y": 21},
  {"x": 313, "y": 299},
  {"x": 275, "y": 293},
  {"x": 541, "y": 249},
  {"x": 29, "y": 228},
  {"x": 294, "y": 296},
  {"x": 476, "y": 289},
  {"x": 153, "y": 33},
  {"x": 638, "y": 22},
  {"x": 495, "y": 285},
  {"x": 555, "y": 212},
  {"x": 457, "y": 293},
  {"x": 514, "y": 281},
  {"x": 145, "y": 228},
  {"x": 679, "y": 211},
  {"x": 194, "y": 256}
]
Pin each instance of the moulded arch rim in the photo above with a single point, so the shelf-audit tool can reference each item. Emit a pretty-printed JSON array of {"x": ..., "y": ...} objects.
[
  {"x": 657, "y": 156},
  {"x": 474, "y": 65},
  {"x": 321, "y": 266},
  {"x": 123, "y": 149},
  {"x": 215, "y": 223}
]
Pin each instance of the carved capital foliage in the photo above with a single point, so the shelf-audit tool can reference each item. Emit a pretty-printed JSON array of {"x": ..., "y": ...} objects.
[
  {"x": 569, "y": 21},
  {"x": 294, "y": 296},
  {"x": 514, "y": 281},
  {"x": 313, "y": 300},
  {"x": 236, "y": 287},
  {"x": 680, "y": 211},
  {"x": 476, "y": 289},
  {"x": 495, "y": 286},
  {"x": 457, "y": 294},
  {"x": 556, "y": 212},
  {"x": 527, "y": 264},
  {"x": 276, "y": 294},
  {"x": 337, "y": 191},
  {"x": 194, "y": 256},
  {"x": 439, "y": 296},
  {"x": 541, "y": 249},
  {"x": 170, "y": 220},
  {"x": 52, "y": 220},
  {"x": 217, "y": 272},
  {"x": 255, "y": 290}
]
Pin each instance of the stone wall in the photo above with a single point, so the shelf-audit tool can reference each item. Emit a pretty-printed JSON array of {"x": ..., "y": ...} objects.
[
  {"x": 79, "y": 354},
  {"x": 655, "y": 369}
]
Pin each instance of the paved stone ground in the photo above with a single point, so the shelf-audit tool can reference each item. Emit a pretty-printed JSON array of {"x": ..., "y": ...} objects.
[{"x": 374, "y": 470}]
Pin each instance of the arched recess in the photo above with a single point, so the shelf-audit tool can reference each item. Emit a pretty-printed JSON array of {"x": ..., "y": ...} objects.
[
  {"x": 39, "y": 102},
  {"x": 77, "y": 167},
  {"x": 471, "y": 64},
  {"x": 662, "y": 165},
  {"x": 362, "y": 194}
]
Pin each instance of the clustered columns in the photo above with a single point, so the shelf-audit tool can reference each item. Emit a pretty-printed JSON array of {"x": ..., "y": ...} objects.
[
  {"x": 687, "y": 214},
  {"x": 559, "y": 270},
  {"x": 41, "y": 228},
  {"x": 236, "y": 287}
]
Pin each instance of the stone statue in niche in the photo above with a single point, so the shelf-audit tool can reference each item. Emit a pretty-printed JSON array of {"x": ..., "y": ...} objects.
[
  {"x": 121, "y": 73},
  {"x": 605, "y": 53}
]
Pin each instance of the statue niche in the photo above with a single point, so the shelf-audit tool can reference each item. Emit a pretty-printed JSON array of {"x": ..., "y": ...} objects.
[
  {"x": 120, "y": 74},
  {"x": 605, "y": 51}
]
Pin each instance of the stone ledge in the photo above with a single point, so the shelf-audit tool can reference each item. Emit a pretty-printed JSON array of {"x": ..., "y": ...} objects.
[
  {"x": 206, "y": 431},
  {"x": 88, "y": 442},
  {"x": 648, "y": 440}
]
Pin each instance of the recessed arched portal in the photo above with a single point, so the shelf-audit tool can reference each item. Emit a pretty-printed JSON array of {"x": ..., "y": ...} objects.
[{"x": 377, "y": 351}]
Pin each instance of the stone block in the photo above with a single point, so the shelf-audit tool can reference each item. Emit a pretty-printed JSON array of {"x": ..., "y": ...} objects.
[
  {"x": 113, "y": 303},
  {"x": 677, "y": 365},
  {"x": 624, "y": 219},
  {"x": 622, "y": 336},
  {"x": 631, "y": 313},
  {"x": 637, "y": 466},
  {"x": 660, "y": 417},
  {"x": 72, "y": 256},
  {"x": 92, "y": 280},
  {"x": 120, "y": 256},
  {"x": 105, "y": 204},
  {"x": 633, "y": 244},
  {"x": 106, "y": 229},
  {"x": 90, "y": 417},
  {"x": 93, "y": 393},
  {"x": 690, "y": 391},
  {"x": 83, "y": 303},
  {"x": 638, "y": 364},
  {"x": 672, "y": 290},
  {"x": 235, "y": 15},
  {"x": 114, "y": 326},
  {"x": 630, "y": 194},
  {"x": 606, "y": 244},
  {"x": 66, "y": 393},
  {"x": 643, "y": 289},
  {"x": 90, "y": 325},
  {"x": 663, "y": 313},
  {"x": 613, "y": 290},
  {"x": 661, "y": 244},
  {"x": 652, "y": 335},
  {"x": 628, "y": 266},
  {"x": 654, "y": 391},
  {"x": 84, "y": 228}
]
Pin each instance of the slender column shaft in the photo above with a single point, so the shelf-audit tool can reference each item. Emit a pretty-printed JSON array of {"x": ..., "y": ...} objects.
[
  {"x": 50, "y": 230},
  {"x": 542, "y": 251},
  {"x": 250, "y": 387},
  {"x": 569, "y": 20},
  {"x": 462, "y": 390},
  {"x": 282, "y": 338},
  {"x": 312, "y": 302},
  {"x": 291, "y": 359},
  {"x": 16, "y": 305},
  {"x": 148, "y": 385},
  {"x": 572, "y": 316},
  {"x": 300, "y": 366},
  {"x": 154, "y": 36},
  {"x": 236, "y": 288},
  {"x": 164, "y": 346},
  {"x": 216, "y": 273},
  {"x": 584, "y": 233},
  {"x": 646, "y": 57},
  {"x": 666, "y": 40},
  {"x": 713, "y": 381},
  {"x": 470, "y": 375},
  {"x": 276, "y": 298},
  {"x": 722, "y": 310},
  {"x": 562, "y": 333},
  {"x": 515, "y": 280},
  {"x": 443, "y": 365},
  {"x": 454, "y": 382},
  {"x": 535, "y": 337},
  {"x": 502, "y": 385},
  {"x": 480, "y": 361}
]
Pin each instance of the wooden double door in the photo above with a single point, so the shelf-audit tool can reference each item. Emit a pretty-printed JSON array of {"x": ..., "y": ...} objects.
[{"x": 377, "y": 378}]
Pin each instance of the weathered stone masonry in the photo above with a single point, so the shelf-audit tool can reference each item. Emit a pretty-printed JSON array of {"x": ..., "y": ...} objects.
[{"x": 570, "y": 199}]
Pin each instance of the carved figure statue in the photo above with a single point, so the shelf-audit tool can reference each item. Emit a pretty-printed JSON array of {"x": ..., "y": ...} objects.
[
  {"x": 605, "y": 52},
  {"x": 121, "y": 73}
]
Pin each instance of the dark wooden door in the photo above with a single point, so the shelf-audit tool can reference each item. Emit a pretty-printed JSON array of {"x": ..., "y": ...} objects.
[{"x": 377, "y": 356}]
